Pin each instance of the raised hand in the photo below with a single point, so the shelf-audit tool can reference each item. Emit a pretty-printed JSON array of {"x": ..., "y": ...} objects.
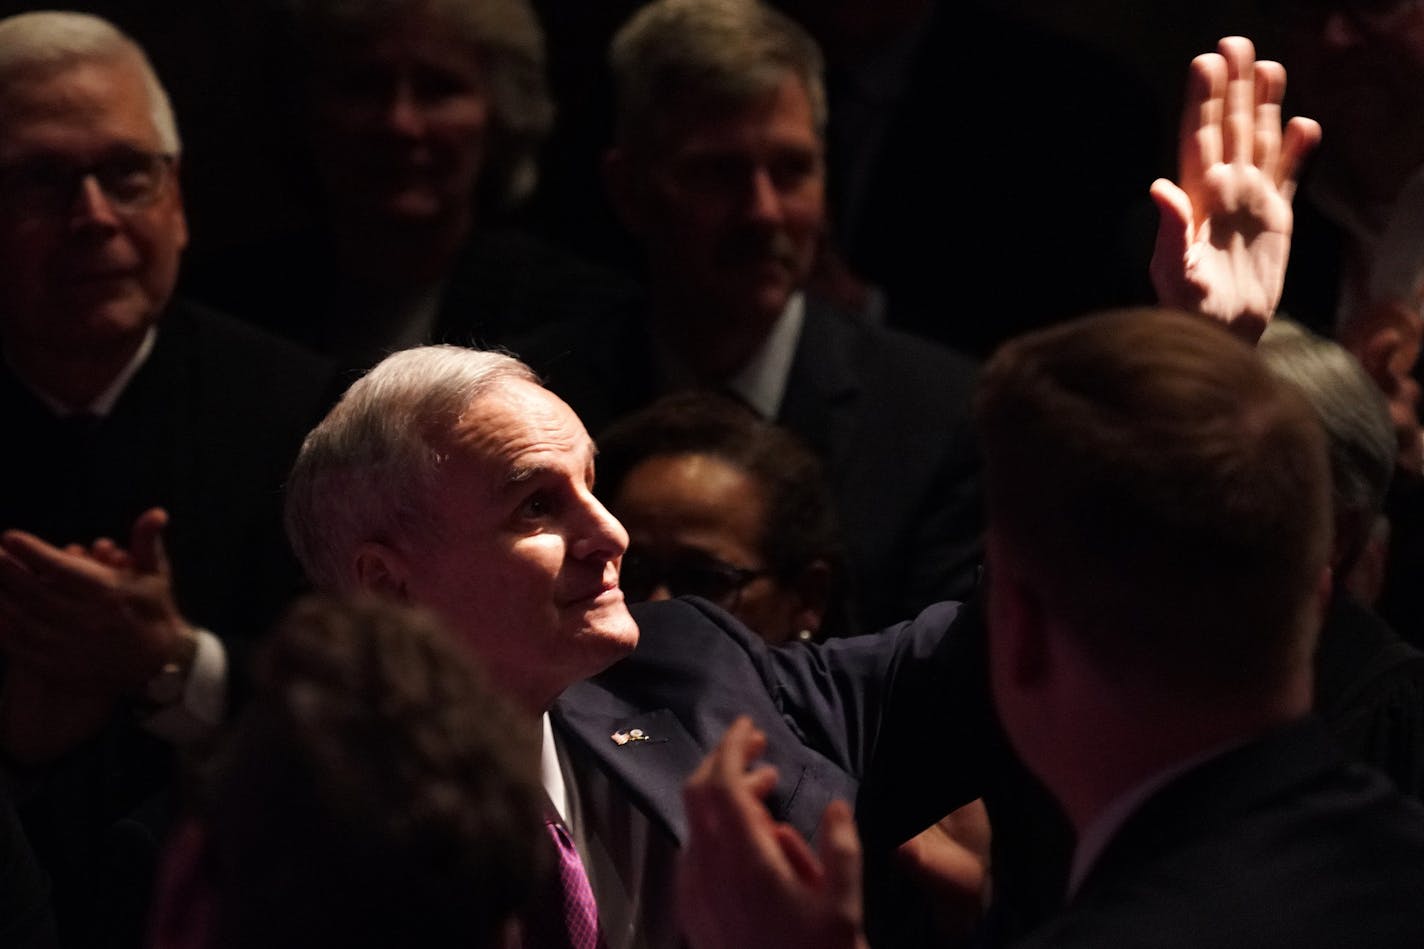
[
  {"x": 1224, "y": 236},
  {"x": 746, "y": 881}
]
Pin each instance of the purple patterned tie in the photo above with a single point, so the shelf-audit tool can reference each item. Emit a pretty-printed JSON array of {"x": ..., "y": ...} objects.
[{"x": 580, "y": 911}]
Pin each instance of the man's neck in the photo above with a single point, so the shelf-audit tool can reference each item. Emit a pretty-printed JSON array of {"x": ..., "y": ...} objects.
[
  {"x": 709, "y": 342},
  {"x": 74, "y": 377}
]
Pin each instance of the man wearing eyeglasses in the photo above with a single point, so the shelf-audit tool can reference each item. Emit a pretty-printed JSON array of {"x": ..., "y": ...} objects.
[{"x": 119, "y": 406}]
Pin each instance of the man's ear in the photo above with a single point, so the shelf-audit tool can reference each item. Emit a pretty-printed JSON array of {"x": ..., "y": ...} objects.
[
  {"x": 1020, "y": 629},
  {"x": 382, "y": 570},
  {"x": 622, "y": 179}
]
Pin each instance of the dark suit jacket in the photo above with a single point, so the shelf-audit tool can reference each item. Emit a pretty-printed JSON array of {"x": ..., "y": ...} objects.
[
  {"x": 501, "y": 283},
  {"x": 887, "y": 414},
  {"x": 1279, "y": 843},
  {"x": 861, "y": 719},
  {"x": 207, "y": 428}
]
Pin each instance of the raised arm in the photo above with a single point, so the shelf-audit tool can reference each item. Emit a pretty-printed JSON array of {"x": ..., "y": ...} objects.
[{"x": 1224, "y": 236}]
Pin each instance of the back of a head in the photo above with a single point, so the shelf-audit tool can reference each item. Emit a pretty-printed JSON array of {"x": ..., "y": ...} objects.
[
  {"x": 374, "y": 793},
  {"x": 46, "y": 42},
  {"x": 708, "y": 52},
  {"x": 1357, "y": 425},
  {"x": 1165, "y": 495}
]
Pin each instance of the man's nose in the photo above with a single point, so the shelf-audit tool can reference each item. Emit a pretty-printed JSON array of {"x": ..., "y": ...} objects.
[
  {"x": 763, "y": 198},
  {"x": 91, "y": 207},
  {"x": 602, "y": 535}
]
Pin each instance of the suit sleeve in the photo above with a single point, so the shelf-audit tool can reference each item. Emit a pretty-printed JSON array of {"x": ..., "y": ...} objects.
[{"x": 905, "y": 711}]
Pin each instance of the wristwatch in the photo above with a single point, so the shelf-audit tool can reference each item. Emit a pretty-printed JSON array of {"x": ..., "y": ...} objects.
[{"x": 167, "y": 685}]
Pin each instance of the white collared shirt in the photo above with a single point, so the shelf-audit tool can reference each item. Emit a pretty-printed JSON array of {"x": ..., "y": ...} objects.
[
  {"x": 103, "y": 404},
  {"x": 761, "y": 381}
]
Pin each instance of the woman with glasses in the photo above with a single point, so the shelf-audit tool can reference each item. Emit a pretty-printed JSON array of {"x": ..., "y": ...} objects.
[{"x": 721, "y": 504}]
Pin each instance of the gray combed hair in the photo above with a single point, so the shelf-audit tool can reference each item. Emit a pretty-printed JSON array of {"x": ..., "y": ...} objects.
[
  {"x": 50, "y": 41},
  {"x": 507, "y": 38},
  {"x": 366, "y": 471},
  {"x": 1352, "y": 410},
  {"x": 731, "y": 50}
]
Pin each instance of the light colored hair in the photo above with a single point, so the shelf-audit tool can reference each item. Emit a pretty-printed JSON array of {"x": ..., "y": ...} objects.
[
  {"x": 366, "y": 472},
  {"x": 506, "y": 38},
  {"x": 720, "y": 50},
  {"x": 1355, "y": 414},
  {"x": 48, "y": 42}
]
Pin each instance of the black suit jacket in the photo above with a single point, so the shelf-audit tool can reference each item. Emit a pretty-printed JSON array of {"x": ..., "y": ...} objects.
[
  {"x": 887, "y": 413},
  {"x": 207, "y": 428},
  {"x": 1279, "y": 843},
  {"x": 500, "y": 284}
]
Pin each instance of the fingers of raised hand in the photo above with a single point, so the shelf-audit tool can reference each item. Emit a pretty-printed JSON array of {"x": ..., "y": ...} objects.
[
  {"x": 1301, "y": 137},
  {"x": 1270, "y": 89},
  {"x": 1238, "y": 122},
  {"x": 1201, "y": 132}
]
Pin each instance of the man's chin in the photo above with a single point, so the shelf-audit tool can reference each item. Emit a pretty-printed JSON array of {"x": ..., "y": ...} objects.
[{"x": 607, "y": 620}]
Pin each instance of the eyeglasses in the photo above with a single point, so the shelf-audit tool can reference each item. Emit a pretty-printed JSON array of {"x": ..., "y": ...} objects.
[
  {"x": 685, "y": 574},
  {"x": 130, "y": 179}
]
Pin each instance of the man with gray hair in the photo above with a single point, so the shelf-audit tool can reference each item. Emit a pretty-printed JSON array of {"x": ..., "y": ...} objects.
[
  {"x": 121, "y": 407},
  {"x": 718, "y": 170},
  {"x": 450, "y": 479},
  {"x": 1369, "y": 683}
]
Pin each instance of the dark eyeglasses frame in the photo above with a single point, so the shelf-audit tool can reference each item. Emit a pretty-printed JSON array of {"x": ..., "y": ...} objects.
[
  {"x": 736, "y": 578},
  {"x": 130, "y": 180}
]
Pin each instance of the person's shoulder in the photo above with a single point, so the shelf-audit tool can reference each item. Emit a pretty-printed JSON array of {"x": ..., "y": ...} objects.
[
  {"x": 219, "y": 332},
  {"x": 901, "y": 360},
  {"x": 1243, "y": 866},
  {"x": 237, "y": 361},
  {"x": 673, "y": 626}
]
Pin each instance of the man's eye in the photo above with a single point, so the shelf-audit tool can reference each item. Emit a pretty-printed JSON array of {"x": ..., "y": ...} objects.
[
  {"x": 791, "y": 171},
  {"x": 536, "y": 505}
]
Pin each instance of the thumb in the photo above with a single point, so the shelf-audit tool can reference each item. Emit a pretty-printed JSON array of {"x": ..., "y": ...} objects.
[
  {"x": 146, "y": 542},
  {"x": 1174, "y": 227}
]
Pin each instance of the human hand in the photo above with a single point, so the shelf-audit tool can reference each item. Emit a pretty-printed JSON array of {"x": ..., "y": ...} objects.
[
  {"x": 746, "y": 881},
  {"x": 951, "y": 862},
  {"x": 101, "y": 619},
  {"x": 1224, "y": 236}
]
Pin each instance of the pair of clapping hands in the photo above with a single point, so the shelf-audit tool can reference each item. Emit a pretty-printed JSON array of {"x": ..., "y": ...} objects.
[
  {"x": 747, "y": 881},
  {"x": 82, "y": 629}
]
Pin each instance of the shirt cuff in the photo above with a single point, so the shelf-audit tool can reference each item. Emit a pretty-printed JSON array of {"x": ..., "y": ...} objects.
[{"x": 204, "y": 696}]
